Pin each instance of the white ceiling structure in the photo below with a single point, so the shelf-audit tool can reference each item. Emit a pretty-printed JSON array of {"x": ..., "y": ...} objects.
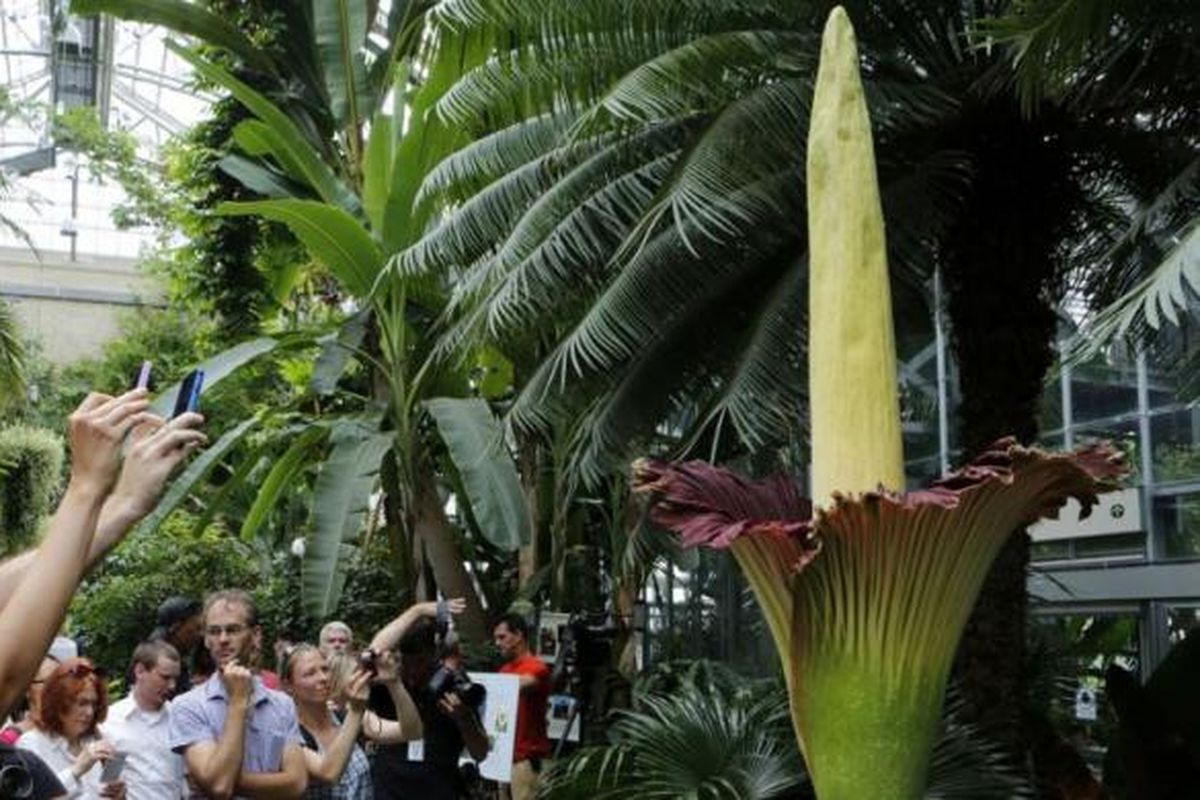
[{"x": 50, "y": 60}]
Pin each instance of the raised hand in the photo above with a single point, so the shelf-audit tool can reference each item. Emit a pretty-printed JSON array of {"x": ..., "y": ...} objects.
[
  {"x": 156, "y": 448},
  {"x": 385, "y": 667},
  {"x": 357, "y": 690},
  {"x": 97, "y": 429},
  {"x": 90, "y": 753},
  {"x": 238, "y": 681}
]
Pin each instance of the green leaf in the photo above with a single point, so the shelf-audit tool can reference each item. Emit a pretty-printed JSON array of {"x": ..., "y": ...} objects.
[
  {"x": 216, "y": 368},
  {"x": 288, "y": 143},
  {"x": 377, "y": 171},
  {"x": 1156, "y": 300},
  {"x": 340, "y": 29},
  {"x": 190, "y": 19},
  {"x": 339, "y": 504},
  {"x": 281, "y": 476},
  {"x": 258, "y": 178},
  {"x": 336, "y": 350},
  {"x": 476, "y": 445},
  {"x": 333, "y": 237},
  {"x": 194, "y": 473}
]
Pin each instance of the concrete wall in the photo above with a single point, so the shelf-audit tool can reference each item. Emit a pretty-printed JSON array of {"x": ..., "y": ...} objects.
[{"x": 72, "y": 307}]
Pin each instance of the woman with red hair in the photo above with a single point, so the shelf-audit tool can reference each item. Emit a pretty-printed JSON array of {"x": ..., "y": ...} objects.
[{"x": 74, "y": 702}]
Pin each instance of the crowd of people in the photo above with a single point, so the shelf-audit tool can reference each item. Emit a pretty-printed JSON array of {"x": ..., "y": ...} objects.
[{"x": 201, "y": 715}]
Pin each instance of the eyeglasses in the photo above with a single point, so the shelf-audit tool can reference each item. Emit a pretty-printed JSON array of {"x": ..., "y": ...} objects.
[{"x": 228, "y": 630}]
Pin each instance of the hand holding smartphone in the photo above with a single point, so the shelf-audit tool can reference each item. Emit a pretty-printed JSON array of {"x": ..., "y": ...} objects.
[
  {"x": 189, "y": 393},
  {"x": 113, "y": 767}
]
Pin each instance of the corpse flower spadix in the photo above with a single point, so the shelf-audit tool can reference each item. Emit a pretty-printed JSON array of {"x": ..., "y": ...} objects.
[{"x": 866, "y": 593}]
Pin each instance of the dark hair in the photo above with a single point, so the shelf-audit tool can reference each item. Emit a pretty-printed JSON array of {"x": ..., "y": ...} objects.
[
  {"x": 67, "y": 681},
  {"x": 175, "y": 610},
  {"x": 233, "y": 597},
  {"x": 515, "y": 623},
  {"x": 420, "y": 639},
  {"x": 148, "y": 653}
]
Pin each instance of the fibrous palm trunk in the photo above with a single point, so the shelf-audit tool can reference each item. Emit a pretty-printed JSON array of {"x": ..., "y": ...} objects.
[{"x": 1002, "y": 278}]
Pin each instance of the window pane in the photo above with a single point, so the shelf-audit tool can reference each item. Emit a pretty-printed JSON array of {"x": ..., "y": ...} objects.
[
  {"x": 1176, "y": 437},
  {"x": 1177, "y": 521},
  {"x": 1102, "y": 391}
]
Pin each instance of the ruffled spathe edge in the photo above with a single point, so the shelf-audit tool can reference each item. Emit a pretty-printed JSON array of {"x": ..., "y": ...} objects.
[{"x": 713, "y": 507}]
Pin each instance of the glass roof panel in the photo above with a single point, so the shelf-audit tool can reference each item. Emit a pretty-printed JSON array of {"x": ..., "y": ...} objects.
[{"x": 140, "y": 87}]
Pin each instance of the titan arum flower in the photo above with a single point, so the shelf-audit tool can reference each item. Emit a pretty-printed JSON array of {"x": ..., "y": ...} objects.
[{"x": 867, "y": 590}]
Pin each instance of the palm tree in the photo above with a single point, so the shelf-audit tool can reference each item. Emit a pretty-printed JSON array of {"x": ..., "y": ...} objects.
[
  {"x": 625, "y": 226},
  {"x": 322, "y": 153},
  {"x": 1116, "y": 60}
]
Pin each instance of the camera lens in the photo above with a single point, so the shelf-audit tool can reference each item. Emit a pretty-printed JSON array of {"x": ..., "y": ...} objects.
[{"x": 15, "y": 782}]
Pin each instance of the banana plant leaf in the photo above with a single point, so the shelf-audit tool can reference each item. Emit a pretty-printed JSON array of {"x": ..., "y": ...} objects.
[
  {"x": 217, "y": 368},
  {"x": 339, "y": 506},
  {"x": 334, "y": 237},
  {"x": 196, "y": 471},
  {"x": 281, "y": 476},
  {"x": 475, "y": 442},
  {"x": 336, "y": 349},
  {"x": 191, "y": 19}
]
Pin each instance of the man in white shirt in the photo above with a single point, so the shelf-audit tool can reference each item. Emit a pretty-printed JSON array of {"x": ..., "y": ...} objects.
[{"x": 139, "y": 726}]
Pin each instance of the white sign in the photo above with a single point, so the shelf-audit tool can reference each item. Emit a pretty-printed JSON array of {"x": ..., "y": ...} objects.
[
  {"x": 499, "y": 717},
  {"x": 1116, "y": 512},
  {"x": 1085, "y": 704},
  {"x": 558, "y": 711},
  {"x": 551, "y": 625}
]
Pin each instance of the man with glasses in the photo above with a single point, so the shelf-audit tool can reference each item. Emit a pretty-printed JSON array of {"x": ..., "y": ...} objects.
[{"x": 238, "y": 738}]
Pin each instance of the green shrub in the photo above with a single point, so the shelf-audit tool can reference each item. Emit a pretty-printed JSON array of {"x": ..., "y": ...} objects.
[
  {"x": 116, "y": 606},
  {"x": 30, "y": 464}
]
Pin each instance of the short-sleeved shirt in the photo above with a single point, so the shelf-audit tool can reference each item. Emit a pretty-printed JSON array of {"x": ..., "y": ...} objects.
[
  {"x": 199, "y": 716},
  {"x": 45, "y": 784},
  {"x": 531, "y": 741},
  {"x": 153, "y": 771}
]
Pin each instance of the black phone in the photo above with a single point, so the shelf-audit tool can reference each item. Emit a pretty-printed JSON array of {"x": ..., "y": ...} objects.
[{"x": 189, "y": 393}]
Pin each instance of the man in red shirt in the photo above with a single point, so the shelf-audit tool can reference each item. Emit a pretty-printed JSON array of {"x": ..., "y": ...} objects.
[{"x": 511, "y": 635}]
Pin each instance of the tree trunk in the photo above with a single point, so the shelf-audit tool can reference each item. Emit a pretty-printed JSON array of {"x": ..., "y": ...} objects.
[
  {"x": 440, "y": 543},
  {"x": 1002, "y": 277},
  {"x": 530, "y": 466}
]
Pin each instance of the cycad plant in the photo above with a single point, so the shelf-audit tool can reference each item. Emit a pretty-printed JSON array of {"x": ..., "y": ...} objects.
[{"x": 868, "y": 590}]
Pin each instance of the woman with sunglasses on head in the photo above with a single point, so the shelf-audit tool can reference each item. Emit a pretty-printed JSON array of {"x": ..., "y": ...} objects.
[
  {"x": 337, "y": 765},
  {"x": 73, "y": 704}
]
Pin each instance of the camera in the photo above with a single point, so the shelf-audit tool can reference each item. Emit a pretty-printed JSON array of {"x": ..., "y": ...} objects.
[
  {"x": 366, "y": 661},
  {"x": 16, "y": 781},
  {"x": 446, "y": 680}
]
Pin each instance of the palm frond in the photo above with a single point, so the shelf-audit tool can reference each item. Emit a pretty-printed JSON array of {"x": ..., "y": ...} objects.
[
  {"x": 467, "y": 171},
  {"x": 1172, "y": 288},
  {"x": 703, "y": 74},
  {"x": 763, "y": 397},
  {"x": 689, "y": 744}
]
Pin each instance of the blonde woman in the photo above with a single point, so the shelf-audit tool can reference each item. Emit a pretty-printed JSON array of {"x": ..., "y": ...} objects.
[{"x": 333, "y": 718}]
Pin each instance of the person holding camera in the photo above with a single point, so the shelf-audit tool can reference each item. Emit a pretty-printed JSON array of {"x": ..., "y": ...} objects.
[
  {"x": 511, "y": 636},
  {"x": 331, "y": 698},
  {"x": 449, "y": 705},
  {"x": 66, "y": 731}
]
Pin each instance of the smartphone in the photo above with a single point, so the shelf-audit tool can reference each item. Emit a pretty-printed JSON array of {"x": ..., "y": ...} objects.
[
  {"x": 113, "y": 767},
  {"x": 142, "y": 381},
  {"x": 189, "y": 393}
]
